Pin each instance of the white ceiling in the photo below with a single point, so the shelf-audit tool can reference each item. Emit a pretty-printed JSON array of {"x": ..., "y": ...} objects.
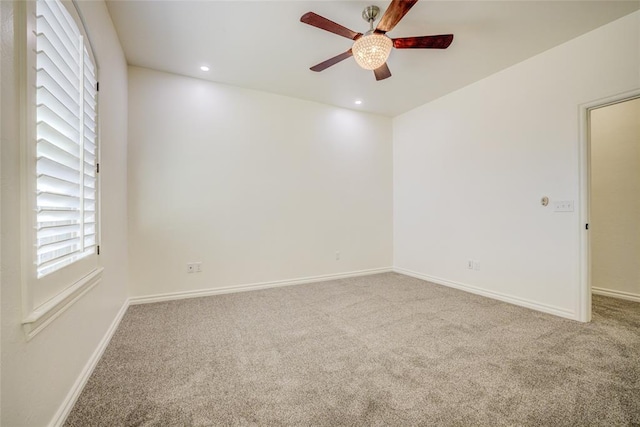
[{"x": 263, "y": 45}]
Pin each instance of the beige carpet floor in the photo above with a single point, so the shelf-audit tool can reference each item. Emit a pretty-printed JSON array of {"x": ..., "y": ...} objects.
[{"x": 376, "y": 350}]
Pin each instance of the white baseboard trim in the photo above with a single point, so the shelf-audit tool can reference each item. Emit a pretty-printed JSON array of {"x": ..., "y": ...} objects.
[
  {"x": 252, "y": 286},
  {"x": 65, "y": 408},
  {"x": 491, "y": 294},
  {"x": 616, "y": 294}
]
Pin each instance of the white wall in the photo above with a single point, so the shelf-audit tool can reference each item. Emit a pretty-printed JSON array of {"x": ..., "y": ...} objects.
[
  {"x": 470, "y": 169},
  {"x": 37, "y": 375},
  {"x": 615, "y": 198},
  {"x": 257, "y": 187}
]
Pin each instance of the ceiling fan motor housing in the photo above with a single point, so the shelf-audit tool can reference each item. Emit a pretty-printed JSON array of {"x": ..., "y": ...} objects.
[{"x": 370, "y": 13}]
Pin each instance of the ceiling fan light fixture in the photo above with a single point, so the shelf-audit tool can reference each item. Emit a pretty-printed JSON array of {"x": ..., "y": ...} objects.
[{"x": 372, "y": 50}]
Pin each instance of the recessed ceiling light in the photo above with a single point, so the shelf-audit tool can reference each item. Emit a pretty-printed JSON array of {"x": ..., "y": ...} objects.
[
  {"x": 204, "y": 68},
  {"x": 358, "y": 102}
]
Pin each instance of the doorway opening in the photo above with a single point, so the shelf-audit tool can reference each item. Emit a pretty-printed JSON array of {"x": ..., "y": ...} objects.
[{"x": 610, "y": 195}]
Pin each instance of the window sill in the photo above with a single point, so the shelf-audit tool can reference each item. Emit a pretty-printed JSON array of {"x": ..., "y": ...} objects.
[{"x": 43, "y": 315}]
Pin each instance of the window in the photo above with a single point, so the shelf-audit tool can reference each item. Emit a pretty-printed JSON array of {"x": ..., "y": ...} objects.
[
  {"x": 66, "y": 141},
  {"x": 62, "y": 161}
]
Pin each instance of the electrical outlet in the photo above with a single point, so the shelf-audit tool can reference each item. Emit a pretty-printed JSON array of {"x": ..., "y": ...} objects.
[
  {"x": 476, "y": 265},
  {"x": 337, "y": 256},
  {"x": 194, "y": 267},
  {"x": 470, "y": 264}
]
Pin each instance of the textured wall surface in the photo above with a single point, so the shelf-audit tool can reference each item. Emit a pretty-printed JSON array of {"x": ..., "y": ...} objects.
[
  {"x": 257, "y": 187},
  {"x": 470, "y": 169}
]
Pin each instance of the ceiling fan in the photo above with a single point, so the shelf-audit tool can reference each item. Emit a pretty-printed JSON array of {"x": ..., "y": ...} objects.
[{"x": 372, "y": 48}]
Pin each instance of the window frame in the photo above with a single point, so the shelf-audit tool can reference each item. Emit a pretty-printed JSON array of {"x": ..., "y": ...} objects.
[{"x": 47, "y": 297}]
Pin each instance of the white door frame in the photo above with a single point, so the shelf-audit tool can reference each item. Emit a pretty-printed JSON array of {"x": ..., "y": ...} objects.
[{"x": 584, "y": 289}]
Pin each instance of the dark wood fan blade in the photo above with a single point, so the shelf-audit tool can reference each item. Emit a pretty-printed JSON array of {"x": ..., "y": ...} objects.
[
  {"x": 425, "y": 42},
  {"x": 333, "y": 61},
  {"x": 382, "y": 72},
  {"x": 394, "y": 13},
  {"x": 327, "y": 25}
]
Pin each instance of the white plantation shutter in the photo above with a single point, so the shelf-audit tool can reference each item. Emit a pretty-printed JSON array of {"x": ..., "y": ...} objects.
[{"x": 66, "y": 141}]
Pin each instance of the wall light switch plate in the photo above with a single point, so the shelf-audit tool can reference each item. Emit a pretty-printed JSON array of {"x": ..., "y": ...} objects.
[{"x": 563, "y": 206}]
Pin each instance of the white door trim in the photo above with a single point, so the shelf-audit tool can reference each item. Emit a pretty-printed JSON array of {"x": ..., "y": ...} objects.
[{"x": 583, "y": 311}]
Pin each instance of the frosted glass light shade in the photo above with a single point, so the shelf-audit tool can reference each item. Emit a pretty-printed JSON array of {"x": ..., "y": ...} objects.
[{"x": 372, "y": 50}]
